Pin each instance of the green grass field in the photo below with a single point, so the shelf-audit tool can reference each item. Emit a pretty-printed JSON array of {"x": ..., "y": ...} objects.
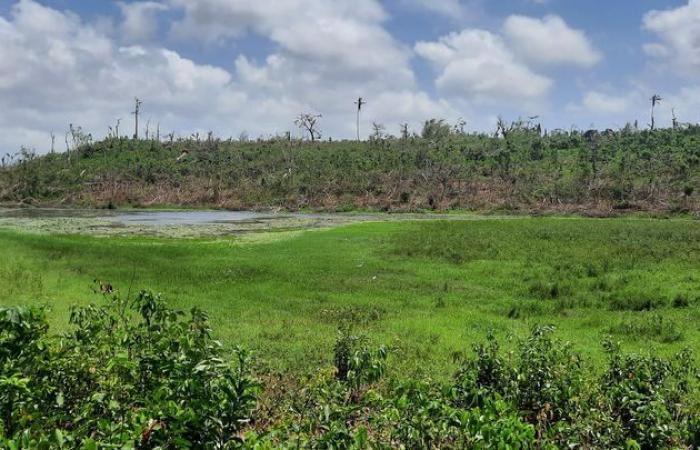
[{"x": 426, "y": 289}]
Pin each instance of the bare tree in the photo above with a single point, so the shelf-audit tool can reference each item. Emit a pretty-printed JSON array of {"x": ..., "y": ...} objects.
[
  {"x": 360, "y": 102},
  {"x": 53, "y": 141},
  {"x": 674, "y": 118},
  {"x": 137, "y": 108},
  {"x": 308, "y": 122},
  {"x": 458, "y": 127},
  {"x": 502, "y": 128},
  {"x": 378, "y": 131},
  {"x": 655, "y": 99},
  {"x": 404, "y": 131}
]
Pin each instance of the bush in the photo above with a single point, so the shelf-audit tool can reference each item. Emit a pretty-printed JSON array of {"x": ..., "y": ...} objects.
[
  {"x": 129, "y": 373},
  {"x": 649, "y": 396},
  {"x": 640, "y": 401},
  {"x": 136, "y": 374}
]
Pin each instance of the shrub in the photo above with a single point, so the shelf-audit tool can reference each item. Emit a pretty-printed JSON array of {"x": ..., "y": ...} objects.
[
  {"x": 544, "y": 383},
  {"x": 648, "y": 396},
  {"x": 131, "y": 372},
  {"x": 136, "y": 374}
]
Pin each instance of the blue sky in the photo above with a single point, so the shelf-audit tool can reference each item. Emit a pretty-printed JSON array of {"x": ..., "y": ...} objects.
[{"x": 235, "y": 66}]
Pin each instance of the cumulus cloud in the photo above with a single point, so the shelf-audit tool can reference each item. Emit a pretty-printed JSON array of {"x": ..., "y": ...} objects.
[
  {"x": 678, "y": 31},
  {"x": 56, "y": 69},
  {"x": 599, "y": 102},
  {"x": 477, "y": 64},
  {"x": 549, "y": 40},
  {"x": 140, "y": 20},
  {"x": 343, "y": 36},
  {"x": 326, "y": 55}
]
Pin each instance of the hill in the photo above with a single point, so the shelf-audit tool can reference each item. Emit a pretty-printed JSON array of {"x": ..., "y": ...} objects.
[{"x": 519, "y": 169}]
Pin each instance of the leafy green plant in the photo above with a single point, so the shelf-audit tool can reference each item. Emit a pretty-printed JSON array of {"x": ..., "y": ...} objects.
[
  {"x": 130, "y": 372},
  {"x": 133, "y": 373}
]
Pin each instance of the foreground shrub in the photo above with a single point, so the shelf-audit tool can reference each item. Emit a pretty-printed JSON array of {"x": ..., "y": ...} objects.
[
  {"x": 639, "y": 402},
  {"x": 136, "y": 374},
  {"x": 130, "y": 373}
]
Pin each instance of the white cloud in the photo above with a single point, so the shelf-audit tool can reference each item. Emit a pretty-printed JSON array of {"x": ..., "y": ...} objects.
[
  {"x": 550, "y": 41},
  {"x": 656, "y": 50},
  {"x": 344, "y": 36},
  {"x": 478, "y": 65},
  {"x": 57, "y": 69},
  {"x": 679, "y": 33},
  {"x": 140, "y": 21},
  {"x": 686, "y": 103},
  {"x": 326, "y": 55},
  {"x": 598, "y": 102}
]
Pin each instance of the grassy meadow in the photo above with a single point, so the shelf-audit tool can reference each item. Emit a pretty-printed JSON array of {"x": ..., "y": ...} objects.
[{"x": 426, "y": 289}]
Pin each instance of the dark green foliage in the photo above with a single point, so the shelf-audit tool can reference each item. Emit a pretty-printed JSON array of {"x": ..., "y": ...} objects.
[
  {"x": 648, "y": 397},
  {"x": 544, "y": 383},
  {"x": 130, "y": 373},
  {"x": 639, "y": 401},
  {"x": 681, "y": 301},
  {"x": 136, "y": 374},
  {"x": 445, "y": 168}
]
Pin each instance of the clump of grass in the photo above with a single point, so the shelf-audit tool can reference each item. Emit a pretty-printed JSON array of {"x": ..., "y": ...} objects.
[
  {"x": 654, "y": 327},
  {"x": 681, "y": 300},
  {"x": 353, "y": 315},
  {"x": 527, "y": 309},
  {"x": 440, "y": 303},
  {"x": 20, "y": 279},
  {"x": 636, "y": 301},
  {"x": 549, "y": 290}
]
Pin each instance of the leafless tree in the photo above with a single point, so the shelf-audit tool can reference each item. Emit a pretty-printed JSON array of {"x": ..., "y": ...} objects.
[
  {"x": 360, "y": 102},
  {"x": 404, "y": 131},
  {"x": 309, "y": 122},
  {"x": 655, "y": 100},
  {"x": 378, "y": 131},
  {"x": 674, "y": 118},
  {"x": 53, "y": 142},
  {"x": 137, "y": 109},
  {"x": 458, "y": 127},
  {"x": 502, "y": 128}
]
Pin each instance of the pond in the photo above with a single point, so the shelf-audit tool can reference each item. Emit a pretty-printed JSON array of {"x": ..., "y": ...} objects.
[
  {"x": 186, "y": 223},
  {"x": 153, "y": 217},
  {"x": 175, "y": 223}
]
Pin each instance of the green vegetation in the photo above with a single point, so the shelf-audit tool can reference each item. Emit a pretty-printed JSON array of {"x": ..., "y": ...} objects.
[
  {"x": 426, "y": 289},
  {"x": 444, "y": 168},
  {"x": 131, "y": 373},
  {"x": 368, "y": 335}
]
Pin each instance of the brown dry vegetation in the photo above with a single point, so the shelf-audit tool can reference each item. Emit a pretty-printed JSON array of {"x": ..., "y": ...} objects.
[{"x": 598, "y": 173}]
